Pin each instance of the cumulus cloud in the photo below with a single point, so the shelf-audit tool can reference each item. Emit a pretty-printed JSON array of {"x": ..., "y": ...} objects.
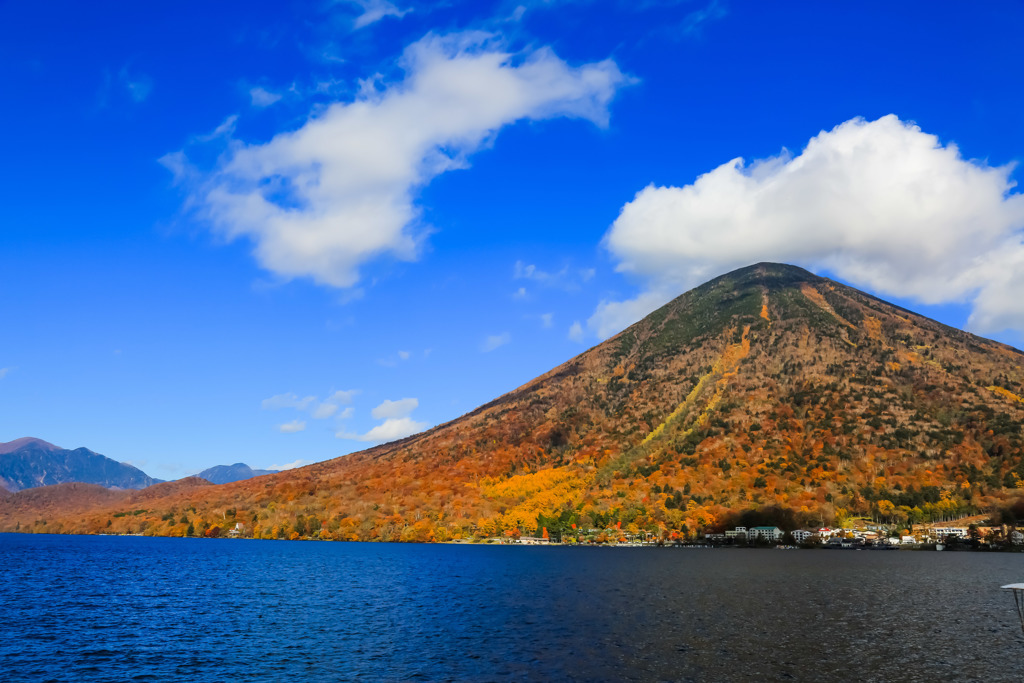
[
  {"x": 396, "y": 425},
  {"x": 288, "y": 400},
  {"x": 576, "y": 332},
  {"x": 292, "y": 427},
  {"x": 320, "y": 410},
  {"x": 881, "y": 204},
  {"x": 262, "y": 97},
  {"x": 495, "y": 341},
  {"x": 395, "y": 409},
  {"x": 340, "y": 191},
  {"x": 289, "y": 465},
  {"x": 391, "y": 429},
  {"x": 331, "y": 404},
  {"x": 375, "y": 10}
]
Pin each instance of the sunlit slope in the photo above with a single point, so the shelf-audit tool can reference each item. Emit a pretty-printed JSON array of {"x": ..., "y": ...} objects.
[{"x": 768, "y": 386}]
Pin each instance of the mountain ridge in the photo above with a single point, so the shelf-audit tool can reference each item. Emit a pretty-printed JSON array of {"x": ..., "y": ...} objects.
[{"x": 29, "y": 462}]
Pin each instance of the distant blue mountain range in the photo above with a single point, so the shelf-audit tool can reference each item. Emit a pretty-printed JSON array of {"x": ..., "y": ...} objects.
[
  {"x": 225, "y": 474},
  {"x": 28, "y": 463}
]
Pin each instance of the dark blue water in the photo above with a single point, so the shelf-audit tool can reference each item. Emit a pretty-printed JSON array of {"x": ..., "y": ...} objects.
[{"x": 123, "y": 608}]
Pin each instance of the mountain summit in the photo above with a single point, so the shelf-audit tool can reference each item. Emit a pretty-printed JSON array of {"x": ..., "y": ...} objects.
[
  {"x": 226, "y": 474},
  {"x": 768, "y": 387}
]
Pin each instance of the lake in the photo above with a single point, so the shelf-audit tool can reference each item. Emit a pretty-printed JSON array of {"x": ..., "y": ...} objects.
[{"x": 77, "y": 608}]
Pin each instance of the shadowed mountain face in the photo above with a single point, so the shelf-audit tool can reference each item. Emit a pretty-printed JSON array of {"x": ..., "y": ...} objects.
[
  {"x": 766, "y": 387},
  {"x": 225, "y": 474},
  {"x": 28, "y": 463}
]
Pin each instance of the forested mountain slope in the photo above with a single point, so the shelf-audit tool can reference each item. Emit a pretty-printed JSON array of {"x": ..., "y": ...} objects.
[{"x": 768, "y": 386}]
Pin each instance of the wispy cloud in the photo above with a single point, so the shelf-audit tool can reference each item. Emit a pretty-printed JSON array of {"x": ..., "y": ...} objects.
[
  {"x": 566, "y": 278},
  {"x": 288, "y": 400},
  {"x": 495, "y": 341},
  {"x": 576, "y": 332},
  {"x": 3, "y": 372},
  {"x": 292, "y": 427},
  {"x": 694, "y": 23},
  {"x": 393, "y": 361},
  {"x": 263, "y": 98},
  {"x": 375, "y": 10},
  {"x": 138, "y": 86}
]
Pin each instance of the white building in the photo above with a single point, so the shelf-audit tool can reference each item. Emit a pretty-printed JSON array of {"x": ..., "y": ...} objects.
[
  {"x": 766, "y": 533},
  {"x": 941, "y": 532},
  {"x": 802, "y": 535}
]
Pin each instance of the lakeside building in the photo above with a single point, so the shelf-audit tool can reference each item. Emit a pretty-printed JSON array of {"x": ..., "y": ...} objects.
[
  {"x": 533, "y": 540},
  {"x": 943, "y": 531},
  {"x": 802, "y": 535},
  {"x": 765, "y": 533}
]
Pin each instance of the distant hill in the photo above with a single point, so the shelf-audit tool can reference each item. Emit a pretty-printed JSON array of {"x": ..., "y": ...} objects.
[
  {"x": 767, "y": 390},
  {"x": 29, "y": 463},
  {"x": 225, "y": 474}
]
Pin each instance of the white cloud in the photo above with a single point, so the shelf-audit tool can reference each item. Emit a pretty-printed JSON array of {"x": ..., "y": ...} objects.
[
  {"x": 391, "y": 429},
  {"x": 346, "y": 413},
  {"x": 289, "y": 465},
  {"x": 374, "y": 11},
  {"x": 339, "y": 192},
  {"x": 396, "y": 425},
  {"x": 613, "y": 316},
  {"x": 3, "y": 372},
  {"x": 343, "y": 397},
  {"x": 287, "y": 401},
  {"x": 547, "y": 320},
  {"x": 494, "y": 341},
  {"x": 324, "y": 411},
  {"x": 292, "y": 427},
  {"x": 880, "y": 204},
  {"x": 576, "y": 332},
  {"x": 395, "y": 409},
  {"x": 404, "y": 355},
  {"x": 519, "y": 293},
  {"x": 262, "y": 97},
  {"x": 331, "y": 404}
]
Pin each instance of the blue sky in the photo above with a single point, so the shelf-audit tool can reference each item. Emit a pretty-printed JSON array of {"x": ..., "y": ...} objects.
[{"x": 281, "y": 232}]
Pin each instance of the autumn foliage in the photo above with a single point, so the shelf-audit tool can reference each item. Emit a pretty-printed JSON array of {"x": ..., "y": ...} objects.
[{"x": 768, "y": 388}]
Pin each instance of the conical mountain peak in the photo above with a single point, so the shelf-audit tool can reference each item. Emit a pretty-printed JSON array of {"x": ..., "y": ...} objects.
[{"x": 767, "y": 388}]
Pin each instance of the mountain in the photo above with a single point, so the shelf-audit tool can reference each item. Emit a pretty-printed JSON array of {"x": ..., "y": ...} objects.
[
  {"x": 767, "y": 391},
  {"x": 225, "y": 474},
  {"x": 29, "y": 462}
]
